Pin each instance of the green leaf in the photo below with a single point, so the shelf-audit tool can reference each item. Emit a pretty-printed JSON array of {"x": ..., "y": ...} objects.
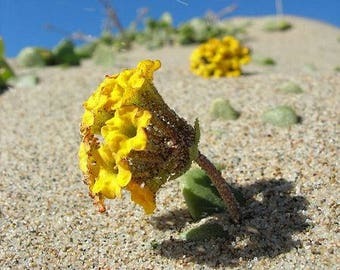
[
  {"x": 264, "y": 61},
  {"x": 2, "y": 48},
  {"x": 201, "y": 197},
  {"x": 290, "y": 87},
  {"x": 282, "y": 116},
  {"x": 221, "y": 108},
  {"x": 6, "y": 71},
  {"x": 204, "y": 231},
  {"x": 277, "y": 25},
  {"x": 46, "y": 55},
  {"x": 30, "y": 57},
  {"x": 64, "y": 53}
]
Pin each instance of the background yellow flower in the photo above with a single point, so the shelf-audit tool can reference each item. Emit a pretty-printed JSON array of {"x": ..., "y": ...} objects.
[{"x": 219, "y": 58}]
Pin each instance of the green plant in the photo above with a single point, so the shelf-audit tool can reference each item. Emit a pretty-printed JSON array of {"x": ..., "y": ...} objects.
[
  {"x": 282, "y": 116},
  {"x": 64, "y": 53},
  {"x": 157, "y": 33},
  {"x": 277, "y": 25},
  {"x": 132, "y": 140},
  {"x": 221, "y": 108},
  {"x": 290, "y": 87},
  {"x": 6, "y": 71},
  {"x": 201, "y": 197},
  {"x": 264, "y": 61},
  {"x": 204, "y": 231},
  {"x": 30, "y": 57}
]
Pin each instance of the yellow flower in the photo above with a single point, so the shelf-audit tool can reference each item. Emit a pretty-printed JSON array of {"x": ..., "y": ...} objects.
[
  {"x": 125, "y": 131},
  {"x": 219, "y": 58},
  {"x": 131, "y": 139}
]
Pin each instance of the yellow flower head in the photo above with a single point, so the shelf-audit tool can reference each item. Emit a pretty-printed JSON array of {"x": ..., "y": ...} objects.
[
  {"x": 219, "y": 58},
  {"x": 131, "y": 139}
]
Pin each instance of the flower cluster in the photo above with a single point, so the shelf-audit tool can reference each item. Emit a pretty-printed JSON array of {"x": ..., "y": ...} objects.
[
  {"x": 219, "y": 58},
  {"x": 131, "y": 139}
]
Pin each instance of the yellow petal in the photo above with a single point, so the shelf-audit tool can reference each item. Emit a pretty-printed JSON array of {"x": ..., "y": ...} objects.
[
  {"x": 106, "y": 184},
  {"x": 124, "y": 176},
  {"x": 148, "y": 67},
  {"x": 87, "y": 119},
  {"x": 142, "y": 196},
  {"x": 82, "y": 154}
]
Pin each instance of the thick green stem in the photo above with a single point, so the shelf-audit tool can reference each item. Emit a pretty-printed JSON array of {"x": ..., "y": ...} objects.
[{"x": 221, "y": 186}]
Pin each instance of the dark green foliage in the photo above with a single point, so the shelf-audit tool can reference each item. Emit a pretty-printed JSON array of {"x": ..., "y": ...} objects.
[
  {"x": 6, "y": 71},
  {"x": 46, "y": 55},
  {"x": 205, "y": 232},
  {"x": 201, "y": 197},
  {"x": 64, "y": 54},
  {"x": 186, "y": 34}
]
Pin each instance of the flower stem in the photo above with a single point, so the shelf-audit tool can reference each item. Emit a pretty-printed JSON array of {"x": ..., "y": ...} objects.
[{"x": 221, "y": 185}]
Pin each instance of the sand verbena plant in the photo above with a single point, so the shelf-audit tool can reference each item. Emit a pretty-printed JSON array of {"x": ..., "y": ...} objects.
[
  {"x": 219, "y": 58},
  {"x": 132, "y": 140}
]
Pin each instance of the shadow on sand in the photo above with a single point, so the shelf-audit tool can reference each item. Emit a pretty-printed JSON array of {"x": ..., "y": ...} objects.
[
  {"x": 3, "y": 89},
  {"x": 270, "y": 217}
]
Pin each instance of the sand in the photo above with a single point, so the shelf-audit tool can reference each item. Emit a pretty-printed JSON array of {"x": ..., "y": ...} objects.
[{"x": 289, "y": 176}]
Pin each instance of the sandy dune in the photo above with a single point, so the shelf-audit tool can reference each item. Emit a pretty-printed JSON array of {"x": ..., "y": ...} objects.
[{"x": 288, "y": 176}]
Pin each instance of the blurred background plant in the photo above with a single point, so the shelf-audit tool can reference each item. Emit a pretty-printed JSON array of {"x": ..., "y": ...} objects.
[
  {"x": 157, "y": 33},
  {"x": 219, "y": 58},
  {"x": 279, "y": 23},
  {"x": 143, "y": 30},
  {"x": 6, "y": 71}
]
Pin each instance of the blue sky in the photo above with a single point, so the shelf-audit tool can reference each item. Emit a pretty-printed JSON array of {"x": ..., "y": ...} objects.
[{"x": 22, "y": 22}]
